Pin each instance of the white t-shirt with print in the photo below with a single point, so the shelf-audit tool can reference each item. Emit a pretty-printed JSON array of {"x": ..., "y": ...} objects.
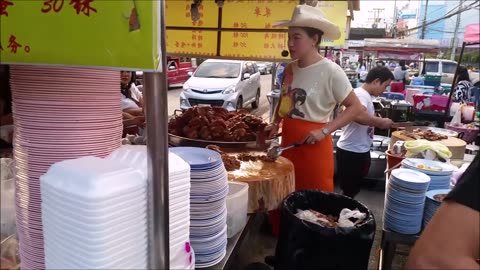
[
  {"x": 314, "y": 91},
  {"x": 128, "y": 103},
  {"x": 358, "y": 138}
]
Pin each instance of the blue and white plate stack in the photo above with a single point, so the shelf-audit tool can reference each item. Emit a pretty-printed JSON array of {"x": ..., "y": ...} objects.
[
  {"x": 439, "y": 178},
  {"x": 432, "y": 204},
  {"x": 405, "y": 201},
  {"x": 208, "y": 210}
]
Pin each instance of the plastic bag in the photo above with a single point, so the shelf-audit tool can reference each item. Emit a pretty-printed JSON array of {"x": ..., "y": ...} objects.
[
  {"x": 305, "y": 245},
  {"x": 457, "y": 118},
  {"x": 345, "y": 216}
]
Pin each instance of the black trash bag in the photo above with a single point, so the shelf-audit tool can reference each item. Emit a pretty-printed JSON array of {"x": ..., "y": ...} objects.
[{"x": 305, "y": 245}]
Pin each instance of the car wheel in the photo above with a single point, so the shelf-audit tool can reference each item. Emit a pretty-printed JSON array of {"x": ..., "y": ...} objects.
[
  {"x": 256, "y": 103},
  {"x": 239, "y": 103}
]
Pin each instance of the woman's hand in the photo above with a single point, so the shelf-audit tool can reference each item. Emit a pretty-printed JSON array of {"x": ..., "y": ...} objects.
[
  {"x": 271, "y": 130},
  {"x": 314, "y": 136}
]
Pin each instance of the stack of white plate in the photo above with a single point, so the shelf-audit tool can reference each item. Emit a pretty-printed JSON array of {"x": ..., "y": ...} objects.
[
  {"x": 405, "y": 201},
  {"x": 432, "y": 204},
  {"x": 181, "y": 252},
  {"x": 95, "y": 215},
  {"x": 209, "y": 189},
  {"x": 440, "y": 177}
]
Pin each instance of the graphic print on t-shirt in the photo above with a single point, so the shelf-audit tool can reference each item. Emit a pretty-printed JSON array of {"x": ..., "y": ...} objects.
[
  {"x": 289, "y": 100},
  {"x": 370, "y": 131}
]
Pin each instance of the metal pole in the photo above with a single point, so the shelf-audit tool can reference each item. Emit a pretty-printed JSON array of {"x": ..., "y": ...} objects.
[
  {"x": 274, "y": 74},
  {"x": 395, "y": 19},
  {"x": 157, "y": 147},
  {"x": 424, "y": 19},
  {"x": 447, "y": 109},
  {"x": 454, "y": 39}
]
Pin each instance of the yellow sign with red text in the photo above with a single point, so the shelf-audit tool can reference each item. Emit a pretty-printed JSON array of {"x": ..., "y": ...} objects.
[
  {"x": 246, "y": 27},
  {"x": 118, "y": 34}
]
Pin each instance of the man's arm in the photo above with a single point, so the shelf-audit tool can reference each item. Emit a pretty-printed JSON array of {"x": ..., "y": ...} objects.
[
  {"x": 363, "y": 118},
  {"x": 450, "y": 241}
]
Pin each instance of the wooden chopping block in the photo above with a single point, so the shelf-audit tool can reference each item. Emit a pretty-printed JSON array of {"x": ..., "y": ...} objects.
[
  {"x": 455, "y": 145},
  {"x": 269, "y": 182}
]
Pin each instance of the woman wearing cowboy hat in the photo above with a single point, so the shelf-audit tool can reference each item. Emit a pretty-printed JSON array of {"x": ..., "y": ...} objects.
[{"x": 311, "y": 88}]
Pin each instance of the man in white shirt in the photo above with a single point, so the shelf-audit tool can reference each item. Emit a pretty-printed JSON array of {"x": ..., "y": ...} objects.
[{"x": 353, "y": 147}]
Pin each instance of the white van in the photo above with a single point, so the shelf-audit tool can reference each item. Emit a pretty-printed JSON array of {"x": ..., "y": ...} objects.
[{"x": 445, "y": 68}]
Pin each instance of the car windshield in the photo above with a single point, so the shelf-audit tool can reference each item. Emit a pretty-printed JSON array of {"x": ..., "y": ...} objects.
[{"x": 218, "y": 70}]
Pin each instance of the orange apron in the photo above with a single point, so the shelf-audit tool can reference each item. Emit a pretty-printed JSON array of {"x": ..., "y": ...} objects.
[{"x": 313, "y": 162}]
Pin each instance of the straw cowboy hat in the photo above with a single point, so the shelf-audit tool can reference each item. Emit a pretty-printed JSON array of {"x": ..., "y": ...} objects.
[{"x": 308, "y": 16}]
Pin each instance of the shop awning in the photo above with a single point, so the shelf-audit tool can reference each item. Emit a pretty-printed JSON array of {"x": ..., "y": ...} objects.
[
  {"x": 402, "y": 45},
  {"x": 472, "y": 34}
]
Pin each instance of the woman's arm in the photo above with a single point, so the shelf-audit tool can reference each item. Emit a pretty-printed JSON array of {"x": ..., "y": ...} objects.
[
  {"x": 353, "y": 108},
  {"x": 134, "y": 112}
]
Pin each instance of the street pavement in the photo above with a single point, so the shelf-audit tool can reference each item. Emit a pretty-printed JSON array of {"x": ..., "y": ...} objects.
[{"x": 263, "y": 109}]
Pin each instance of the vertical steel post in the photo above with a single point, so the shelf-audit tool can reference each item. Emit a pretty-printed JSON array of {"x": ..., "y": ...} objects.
[{"x": 157, "y": 147}]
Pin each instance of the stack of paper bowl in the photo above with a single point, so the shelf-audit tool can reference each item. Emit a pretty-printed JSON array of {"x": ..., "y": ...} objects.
[
  {"x": 135, "y": 156},
  {"x": 94, "y": 215},
  {"x": 208, "y": 208},
  {"x": 59, "y": 113}
]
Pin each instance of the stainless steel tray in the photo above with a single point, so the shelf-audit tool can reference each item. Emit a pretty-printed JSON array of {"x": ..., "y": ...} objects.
[{"x": 175, "y": 140}]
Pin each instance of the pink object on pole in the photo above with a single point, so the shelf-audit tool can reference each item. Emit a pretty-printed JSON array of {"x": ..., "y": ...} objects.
[{"x": 472, "y": 33}]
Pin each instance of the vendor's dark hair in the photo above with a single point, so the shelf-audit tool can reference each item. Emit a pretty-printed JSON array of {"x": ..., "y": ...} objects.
[
  {"x": 463, "y": 74},
  {"x": 311, "y": 32},
  {"x": 403, "y": 64},
  {"x": 125, "y": 90},
  {"x": 381, "y": 73}
]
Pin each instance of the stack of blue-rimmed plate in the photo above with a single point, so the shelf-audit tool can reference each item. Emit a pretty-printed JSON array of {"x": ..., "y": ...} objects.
[
  {"x": 440, "y": 173},
  {"x": 432, "y": 203},
  {"x": 405, "y": 201},
  {"x": 208, "y": 210}
]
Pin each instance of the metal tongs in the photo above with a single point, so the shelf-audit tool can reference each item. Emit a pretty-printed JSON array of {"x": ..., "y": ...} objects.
[{"x": 275, "y": 151}]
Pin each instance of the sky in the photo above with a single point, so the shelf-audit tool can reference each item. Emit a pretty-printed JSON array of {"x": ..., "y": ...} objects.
[{"x": 361, "y": 18}]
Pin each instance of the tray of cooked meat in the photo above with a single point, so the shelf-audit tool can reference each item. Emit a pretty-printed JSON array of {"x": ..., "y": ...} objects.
[
  {"x": 426, "y": 134},
  {"x": 203, "y": 126}
]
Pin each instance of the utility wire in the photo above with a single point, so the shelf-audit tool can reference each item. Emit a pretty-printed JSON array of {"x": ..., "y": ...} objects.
[{"x": 445, "y": 17}]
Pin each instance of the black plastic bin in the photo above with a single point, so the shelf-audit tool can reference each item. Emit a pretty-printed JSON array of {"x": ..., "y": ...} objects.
[{"x": 305, "y": 245}]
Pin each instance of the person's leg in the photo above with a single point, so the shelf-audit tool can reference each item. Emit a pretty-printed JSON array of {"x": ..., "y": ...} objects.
[{"x": 350, "y": 171}]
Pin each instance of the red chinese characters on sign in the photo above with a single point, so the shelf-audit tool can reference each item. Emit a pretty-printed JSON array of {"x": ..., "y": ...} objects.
[
  {"x": 257, "y": 12},
  {"x": 196, "y": 43},
  {"x": 13, "y": 45},
  {"x": 80, "y": 6},
  {"x": 268, "y": 12},
  {"x": 4, "y": 4},
  {"x": 83, "y": 6}
]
